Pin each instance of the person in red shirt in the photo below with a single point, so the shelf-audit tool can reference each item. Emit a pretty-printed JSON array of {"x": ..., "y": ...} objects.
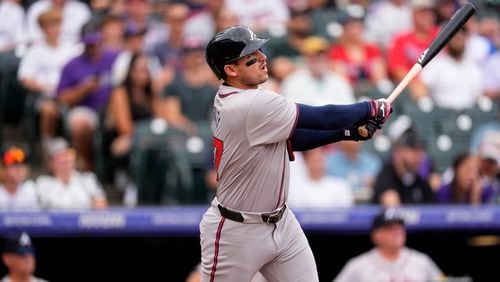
[
  {"x": 360, "y": 61},
  {"x": 406, "y": 47}
]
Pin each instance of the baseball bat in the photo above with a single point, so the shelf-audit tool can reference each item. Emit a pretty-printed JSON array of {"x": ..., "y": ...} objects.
[{"x": 449, "y": 30}]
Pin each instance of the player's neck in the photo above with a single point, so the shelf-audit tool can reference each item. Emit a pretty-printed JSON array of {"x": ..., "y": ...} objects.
[
  {"x": 237, "y": 84},
  {"x": 389, "y": 254},
  {"x": 19, "y": 277}
]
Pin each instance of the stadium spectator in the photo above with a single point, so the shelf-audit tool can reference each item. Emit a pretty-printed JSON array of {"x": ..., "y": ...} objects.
[
  {"x": 187, "y": 104},
  {"x": 16, "y": 191},
  {"x": 359, "y": 167},
  {"x": 65, "y": 187},
  {"x": 478, "y": 47},
  {"x": 287, "y": 41},
  {"x": 168, "y": 51},
  {"x": 489, "y": 28},
  {"x": 492, "y": 76},
  {"x": 75, "y": 15},
  {"x": 189, "y": 97},
  {"x": 390, "y": 259},
  {"x": 40, "y": 70},
  {"x": 84, "y": 88},
  {"x": 224, "y": 19},
  {"x": 323, "y": 15},
  {"x": 18, "y": 255},
  {"x": 385, "y": 19},
  {"x": 12, "y": 44},
  {"x": 313, "y": 188},
  {"x": 406, "y": 47},
  {"x": 399, "y": 181},
  {"x": 315, "y": 83},
  {"x": 444, "y": 80},
  {"x": 485, "y": 143},
  {"x": 202, "y": 23},
  {"x": 358, "y": 60},
  {"x": 12, "y": 27},
  {"x": 112, "y": 29},
  {"x": 280, "y": 68},
  {"x": 445, "y": 10},
  {"x": 465, "y": 186},
  {"x": 134, "y": 45},
  {"x": 260, "y": 15},
  {"x": 139, "y": 13},
  {"x": 132, "y": 101}
]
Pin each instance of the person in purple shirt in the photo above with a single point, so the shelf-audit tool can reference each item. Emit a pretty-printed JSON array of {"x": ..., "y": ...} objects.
[
  {"x": 84, "y": 88},
  {"x": 465, "y": 186}
]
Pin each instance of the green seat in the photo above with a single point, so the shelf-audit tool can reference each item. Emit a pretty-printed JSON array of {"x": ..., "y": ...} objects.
[{"x": 161, "y": 169}]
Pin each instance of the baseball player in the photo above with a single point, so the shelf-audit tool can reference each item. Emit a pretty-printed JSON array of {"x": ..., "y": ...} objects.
[
  {"x": 390, "y": 260},
  {"x": 248, "y": 227}
]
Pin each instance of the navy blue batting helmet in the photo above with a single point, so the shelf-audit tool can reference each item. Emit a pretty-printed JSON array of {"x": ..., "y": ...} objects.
[{"x": 229, "y": 45}]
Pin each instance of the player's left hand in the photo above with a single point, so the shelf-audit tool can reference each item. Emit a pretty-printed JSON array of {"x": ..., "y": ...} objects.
[{"x": 380, "y": 110}]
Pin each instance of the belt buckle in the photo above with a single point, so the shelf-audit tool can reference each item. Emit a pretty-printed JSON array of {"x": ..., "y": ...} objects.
[{"x": 274, "y": 217}]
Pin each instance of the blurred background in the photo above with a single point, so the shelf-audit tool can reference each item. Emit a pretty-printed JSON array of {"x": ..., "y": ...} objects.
[{"x": 106, "y": 130}]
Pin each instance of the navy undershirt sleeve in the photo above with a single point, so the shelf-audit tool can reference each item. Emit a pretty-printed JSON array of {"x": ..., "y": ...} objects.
[
  {"x": 306, "y": 139},
  {"x": 331, "y": 117}
]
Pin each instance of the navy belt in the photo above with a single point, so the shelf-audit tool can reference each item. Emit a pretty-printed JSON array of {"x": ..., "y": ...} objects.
[{"x": 271, "y": 217}]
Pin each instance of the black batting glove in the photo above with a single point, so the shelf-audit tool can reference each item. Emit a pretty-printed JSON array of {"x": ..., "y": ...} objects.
[
  {"x": 351, "y": 133},
  {"x": 380, "y": 110}
]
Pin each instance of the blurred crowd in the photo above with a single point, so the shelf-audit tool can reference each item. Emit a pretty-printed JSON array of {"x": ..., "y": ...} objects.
[{"x": 112, "y": 100}]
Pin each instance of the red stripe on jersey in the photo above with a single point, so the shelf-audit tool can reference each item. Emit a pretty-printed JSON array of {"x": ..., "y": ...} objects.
[
  {"x": 228, "y": 94},
  {"x": 218, "y": 148},
  {"x": 216, "y": 252}
]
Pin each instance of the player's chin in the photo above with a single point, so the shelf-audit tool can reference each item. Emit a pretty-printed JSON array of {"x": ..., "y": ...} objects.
[{"x": 264, "y": 78}]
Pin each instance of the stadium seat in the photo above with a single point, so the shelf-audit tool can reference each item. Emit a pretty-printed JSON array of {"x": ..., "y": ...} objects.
[{"x": 160, "y": 166}]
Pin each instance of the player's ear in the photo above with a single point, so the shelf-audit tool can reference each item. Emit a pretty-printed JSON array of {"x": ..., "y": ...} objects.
[{"x": 230, "y": 70}]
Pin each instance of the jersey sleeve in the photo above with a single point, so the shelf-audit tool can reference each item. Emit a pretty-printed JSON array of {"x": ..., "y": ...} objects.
[{"x": 271, "y": 118}]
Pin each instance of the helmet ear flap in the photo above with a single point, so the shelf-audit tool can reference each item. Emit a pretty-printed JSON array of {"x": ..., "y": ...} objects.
[{"x": 229, "y": 45}]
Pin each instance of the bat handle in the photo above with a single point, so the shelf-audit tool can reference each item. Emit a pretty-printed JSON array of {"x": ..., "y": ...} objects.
[
  {"x": 395, "y": 93},
  {"x": 363, "y": 131}
]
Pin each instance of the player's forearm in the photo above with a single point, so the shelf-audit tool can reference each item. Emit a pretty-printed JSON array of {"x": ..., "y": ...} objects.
[
  {"x": 331, "y": 117},
  {"x": 307, "y": 139}
]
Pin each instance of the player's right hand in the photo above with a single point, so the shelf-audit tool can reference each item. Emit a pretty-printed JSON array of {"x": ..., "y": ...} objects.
[{"x": 380, "y": 110}]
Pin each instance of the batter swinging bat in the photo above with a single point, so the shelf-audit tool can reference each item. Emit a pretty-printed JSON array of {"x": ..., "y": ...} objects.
[{"x": 450, "y": 29}]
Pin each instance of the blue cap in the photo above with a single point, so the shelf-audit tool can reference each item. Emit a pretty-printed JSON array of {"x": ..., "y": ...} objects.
[
  {"x": 91, "y": 38},
  {"x": 132, "y": 29},
  {"x": 19, "y": 243},
  {"x": 386, "y": 217}
]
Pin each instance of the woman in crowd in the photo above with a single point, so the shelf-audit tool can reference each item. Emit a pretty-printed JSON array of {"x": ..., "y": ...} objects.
[
  {"x": 130, "y": 102},
  {"x": 465, "y": 186}
]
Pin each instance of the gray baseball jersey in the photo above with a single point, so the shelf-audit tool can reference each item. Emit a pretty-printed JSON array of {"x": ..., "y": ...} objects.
[
  {"x": 372, "y": 267},
  {"x": 251, "y": 157},
  {"x": 252, "y": 162}
]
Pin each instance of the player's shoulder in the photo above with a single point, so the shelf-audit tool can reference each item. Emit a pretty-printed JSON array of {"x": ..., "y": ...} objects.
[
  {"x": 362, "y": 259},
  {"x": 254, "y": 95},
  {"x": 416, "y": 255}
]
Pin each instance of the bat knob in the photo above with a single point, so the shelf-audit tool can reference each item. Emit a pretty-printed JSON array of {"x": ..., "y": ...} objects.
[{"x": 363, "y": 131}]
